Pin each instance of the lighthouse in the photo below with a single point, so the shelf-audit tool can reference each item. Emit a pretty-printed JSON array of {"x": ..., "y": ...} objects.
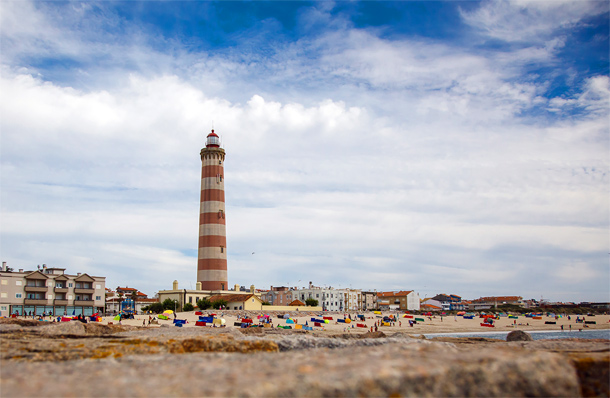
[{"x": 212, "y": 253}]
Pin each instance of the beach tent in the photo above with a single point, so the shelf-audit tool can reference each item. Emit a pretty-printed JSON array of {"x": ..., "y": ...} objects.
[
  {"x": 289, "y": 320},
  {"x": 116, "y": 318}
]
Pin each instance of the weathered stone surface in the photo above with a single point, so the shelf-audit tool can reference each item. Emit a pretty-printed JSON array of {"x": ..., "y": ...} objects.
[
  {"x": 593, "y": 370},
  {"x": 136, "y": 361},
  {"x": 65, "y": 328},
  {"x": 518, "y": 335},
  {"x": 422, "y": 370}
]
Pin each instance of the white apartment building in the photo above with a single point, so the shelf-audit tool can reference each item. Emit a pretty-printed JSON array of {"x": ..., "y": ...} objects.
[{"x": 331, "y": 299}]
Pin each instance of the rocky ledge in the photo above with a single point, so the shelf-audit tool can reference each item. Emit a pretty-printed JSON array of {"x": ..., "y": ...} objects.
[{"x": 74, "y": 359}]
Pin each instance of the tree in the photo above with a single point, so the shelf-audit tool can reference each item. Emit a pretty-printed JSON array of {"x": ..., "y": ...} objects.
[
  {"x": 134, "y": 298},
  {"x": 120, "y": 300},
  {"x": 310, "y": 302},
  {"x": 188, "y": 307},
  {"x": 169, "y": 304},
  {"x": 157, "y": 308},
  {"x": 204, "y": 304},
  {"x": 219, "y": 303}
]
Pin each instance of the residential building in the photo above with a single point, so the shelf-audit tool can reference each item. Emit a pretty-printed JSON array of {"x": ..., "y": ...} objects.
[
  {"x": 183, "y": 296},
  {"x": 353, "y": 300},
  {"x": 450, "y": 302},
  {"x": 404, "y": 300},
  {"x": 430, "y": 304},
  {"x": 121, "y": 299},
  {"x": 279, "y": 295},
  {"x": 329, "y": 298},
  {"x": 49, "y": 290},
  {"x": 494, "y": 301},
  {"x": 246, "y": 302},
  {"x": 369, "y": 301}
]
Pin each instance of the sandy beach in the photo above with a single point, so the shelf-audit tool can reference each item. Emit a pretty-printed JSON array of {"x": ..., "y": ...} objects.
[{"x": 433, "y": 324}]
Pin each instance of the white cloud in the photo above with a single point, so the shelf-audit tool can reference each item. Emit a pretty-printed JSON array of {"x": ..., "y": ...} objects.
[
  {"x": 369, "y": 162},
  {"x": 530, "y": 20}
]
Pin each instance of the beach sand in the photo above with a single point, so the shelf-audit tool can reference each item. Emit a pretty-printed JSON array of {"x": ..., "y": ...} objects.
[{"x": 433, "y": 324}]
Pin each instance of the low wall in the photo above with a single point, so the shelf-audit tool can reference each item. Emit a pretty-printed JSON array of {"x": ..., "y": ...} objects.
[{"x": 290, "y": 308}]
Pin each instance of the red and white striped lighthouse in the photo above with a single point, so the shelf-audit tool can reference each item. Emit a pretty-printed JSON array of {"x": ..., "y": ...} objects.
[{"x": 212, "y": 257}]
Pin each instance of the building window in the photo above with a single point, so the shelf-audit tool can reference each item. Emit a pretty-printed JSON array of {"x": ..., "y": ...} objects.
[
  {"x": 70, "y": 284},
  {"x": 17, "y": 295},
  {"x": 190, "y": 300},
  {"x": 5, "y": 281},
  {"x": 18, "y": 283},
  {"x": 98, "y": 297}
]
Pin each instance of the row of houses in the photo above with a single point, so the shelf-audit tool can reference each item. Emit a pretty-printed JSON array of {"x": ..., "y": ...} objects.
[
  {"x": 331, "y": 299},
  {"x": 52, "y": 291},
  {"x": 452, "y": 302}
]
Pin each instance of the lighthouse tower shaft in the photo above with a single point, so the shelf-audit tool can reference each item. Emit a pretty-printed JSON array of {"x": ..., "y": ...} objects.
[{"x": 212, "y": 256}]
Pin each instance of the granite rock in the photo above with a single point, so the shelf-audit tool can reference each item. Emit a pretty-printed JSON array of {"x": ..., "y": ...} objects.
[
  {"x": 518, "y": 335},
  {"x": 421, "y": 370}
]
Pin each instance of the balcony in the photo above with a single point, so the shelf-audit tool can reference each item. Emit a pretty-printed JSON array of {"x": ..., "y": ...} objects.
[
  {"x": 61, "y": 290},
  {"x": 80, "y": 290},
  {"x": 35, "y": 302},
  {"x": 60, "y": 302},
  {"x": 36, "y": 289},
  {"x": 84, "y": 302}
]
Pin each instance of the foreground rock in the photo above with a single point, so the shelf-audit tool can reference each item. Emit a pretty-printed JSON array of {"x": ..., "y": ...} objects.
[
  {"x": 418, "y": 369},
  {"x": 519, "y": 335},
  {"x": 99, "y": 360}
]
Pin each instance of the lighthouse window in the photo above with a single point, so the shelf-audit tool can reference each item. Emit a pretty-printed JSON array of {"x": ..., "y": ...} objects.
[
  {"x": 220, "y": 162},
  {"x": 222, "y": 249}
]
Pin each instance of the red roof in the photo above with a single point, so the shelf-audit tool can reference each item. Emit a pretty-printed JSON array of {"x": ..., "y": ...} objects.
[
  {"x": 497, "y": 298},
  {"x": 394, "y": 294}
]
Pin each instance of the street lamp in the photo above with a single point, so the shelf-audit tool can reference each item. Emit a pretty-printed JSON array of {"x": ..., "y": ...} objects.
[{"x": 175, "y": 302}]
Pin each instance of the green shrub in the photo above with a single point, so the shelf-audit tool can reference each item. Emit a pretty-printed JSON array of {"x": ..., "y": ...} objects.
[
  {"x": 204, "y": 304},
  {"x": 310, "y": 302},
  {"x": 219, "y": 303}
]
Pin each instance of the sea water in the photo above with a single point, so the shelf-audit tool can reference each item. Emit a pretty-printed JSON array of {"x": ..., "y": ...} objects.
[{"x": 536, "y": 335}]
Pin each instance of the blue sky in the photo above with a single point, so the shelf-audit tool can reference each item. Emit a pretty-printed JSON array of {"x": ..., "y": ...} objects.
[{"x": 445, "y": 147}]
